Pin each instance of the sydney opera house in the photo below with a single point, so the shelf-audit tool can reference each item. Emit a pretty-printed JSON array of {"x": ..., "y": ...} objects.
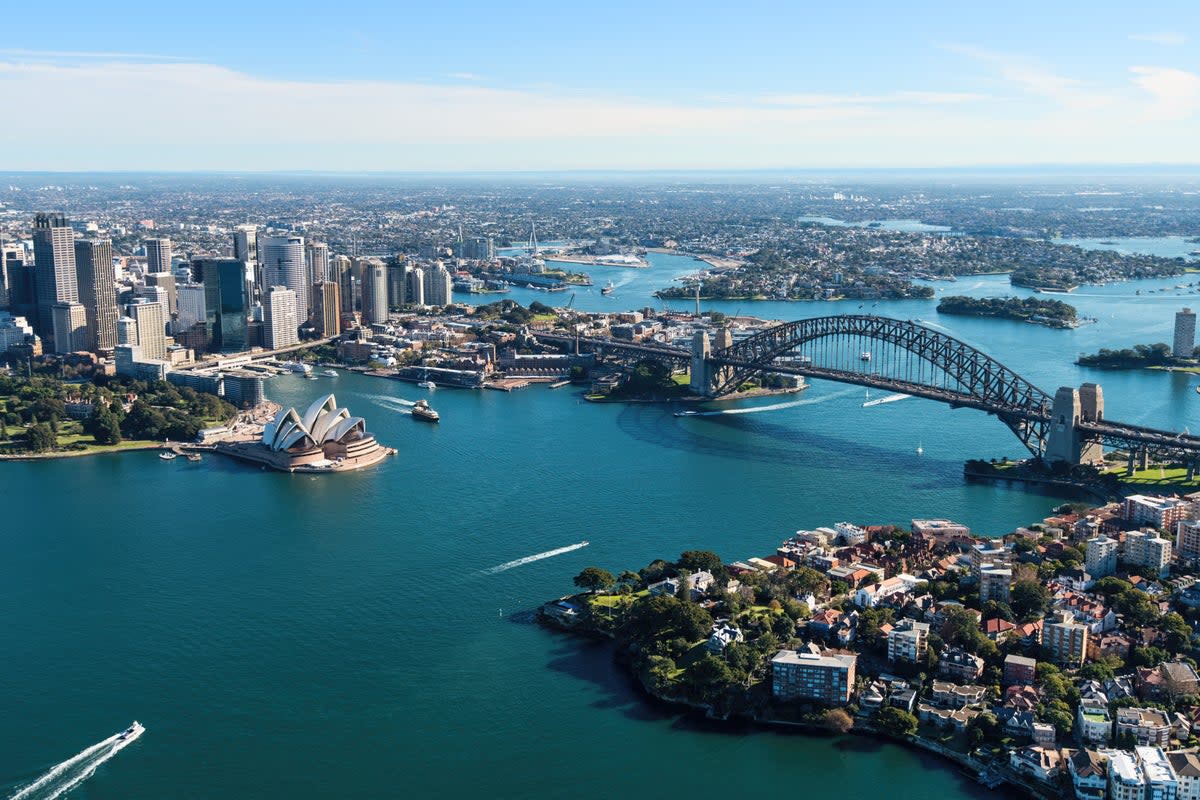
[{"x": 324, "y": 438}]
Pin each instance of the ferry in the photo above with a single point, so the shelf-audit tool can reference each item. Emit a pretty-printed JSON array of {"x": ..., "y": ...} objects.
[
  {"x": 167, "y": 456},
  {"x": 298, "y": 367},
  {"x": 607, "y": 290},
  {"x": 423, "y": 412},
  {"x": 133, "y": 731}
]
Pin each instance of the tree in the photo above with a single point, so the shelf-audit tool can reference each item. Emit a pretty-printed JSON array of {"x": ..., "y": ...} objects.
[
  {"x": 838, "y": 722},
  {"x": 629, "y": 578},
  {"x": 1137, "y": 608},
  {"x": 897, "y": 721},
  {"x": 40, "y": 438},
  {"x": 104, "y": 426},
  {"x": 983, "y": 727},
  {"x": 1029, "y": 599},
  {"x": 708, "y": 676},
  {"x": 996, "y": 609},
  {"x": 594, "y": 579},
  {"x": 700, "y": 561},
  {"x": 1096, "y": 671}
]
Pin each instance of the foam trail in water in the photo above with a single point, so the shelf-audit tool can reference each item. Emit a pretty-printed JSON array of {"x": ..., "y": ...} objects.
[
  {"x": 59, "y": 769},
  {"x": 536, "y": 557},
  {"x": 891, "y": 398},
  {"x": 812, "y": 401},
  {"x": 92, "y": 766}
]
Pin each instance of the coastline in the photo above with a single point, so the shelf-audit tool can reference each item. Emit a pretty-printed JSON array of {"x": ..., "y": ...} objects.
[
  {"x": 982, "y": 773},
  {"x": 55, "y": 454}
]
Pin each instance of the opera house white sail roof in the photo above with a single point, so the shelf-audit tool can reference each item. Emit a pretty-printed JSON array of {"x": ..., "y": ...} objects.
[{"x": 322, "y": 423}]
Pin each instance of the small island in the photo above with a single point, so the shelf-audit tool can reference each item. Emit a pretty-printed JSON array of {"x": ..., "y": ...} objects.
[
  {"x": 1140, "y": 356},
  {"x": 1051, "y": 313}
]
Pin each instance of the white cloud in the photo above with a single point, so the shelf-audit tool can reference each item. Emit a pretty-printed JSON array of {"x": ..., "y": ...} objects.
[
  {"x": 212, "y": 117},
  {"x": 56, "y": 55},
  {"x": 1168, "y": 39},
  {"x": 1175, "y": 92},
  {"x": 1033, "y": 78}
]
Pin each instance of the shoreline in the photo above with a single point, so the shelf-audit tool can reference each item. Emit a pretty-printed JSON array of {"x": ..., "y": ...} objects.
[
  {"x": 55, "y": 454},
  {"x": 1000, "y": 777}
]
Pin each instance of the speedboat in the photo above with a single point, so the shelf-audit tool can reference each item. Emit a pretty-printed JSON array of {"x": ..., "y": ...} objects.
[
  {"x": 427, "y": 384},
  {"x": 423, "y": 412},
  {"x": 865, "y": 355},
  {"x": 686, "y": 413},
  {"x": 132, "y": 731},
  {"x": 167, "y": 456},
  {"x": 193, "y": 456},
  {"x": 329, "y": 373}
]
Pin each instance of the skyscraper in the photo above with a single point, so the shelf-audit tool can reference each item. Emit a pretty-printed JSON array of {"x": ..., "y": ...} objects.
[
  {"x": 438, "y": 285},
  {"x": 415, "y": 291},
  {"x": 158, "y": 255},
  {"x": 54, "y": 268},
  {"x": 191, "y": 305},
  {"x": 225, "y": 302},
  {"x": 279, "y": 312},
  {"x": 397, "y": 282},
  {"x": 1185, "y": 334},
  {"x": 70, "y": 327},
  {"x": 167, "y": 281},
  {"x": 318, "y": 262},
  {"x": 375, "y": 291},
  {"x": 283, "y": 265},
  {"x": 97, "y": 292},
  {"x": 327, "y": 312},
  {"x": 151, "y": 328},
  {"x": 245, "y": 249}
]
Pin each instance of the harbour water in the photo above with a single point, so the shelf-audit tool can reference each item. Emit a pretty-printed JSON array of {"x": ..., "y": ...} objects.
[{"x": 286, "y": 636}]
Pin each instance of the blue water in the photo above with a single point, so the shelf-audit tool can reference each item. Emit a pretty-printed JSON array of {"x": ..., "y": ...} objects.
[{"x": 291, "y": 636}]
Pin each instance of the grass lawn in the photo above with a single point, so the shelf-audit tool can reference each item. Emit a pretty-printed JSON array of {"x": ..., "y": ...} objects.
[
  {"x": 683, "y": 379},
  {"x": 1157, "y": 477}
]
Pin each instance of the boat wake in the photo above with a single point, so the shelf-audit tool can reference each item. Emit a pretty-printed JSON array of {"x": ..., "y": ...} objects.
[
  {"x": 507, "y": 565},
  {"x": 810, "y": 401},
  {"x": 891, "y": 398},
  {"x": 64, "y": 777},
  {"x": 392, "y": 403}
]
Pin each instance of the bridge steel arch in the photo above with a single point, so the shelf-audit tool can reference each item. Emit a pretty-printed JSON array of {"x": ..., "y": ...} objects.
[{"x": 973, "y": 379}]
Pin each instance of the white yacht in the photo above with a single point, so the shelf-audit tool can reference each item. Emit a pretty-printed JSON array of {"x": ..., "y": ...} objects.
[
  {"x": 132, "y": 732},
  {"x": 329, "y": 373}
]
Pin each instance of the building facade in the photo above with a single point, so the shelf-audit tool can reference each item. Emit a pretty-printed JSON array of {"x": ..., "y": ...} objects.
[
  {"x": 280, "y": 316},
  {"x": 907, "y": 641},
  {"x": 283, "y": 265},
  {"x": 799, "y": 675},
  {"x": 1101, "y": 559},
  {"x": 98, "y": 292},
  {"x": 1185, "y": 334},
  {"x": 54, "y": 268},
  {"x": 225, "y": 303},
  {"x": 1065, "y": 639}
]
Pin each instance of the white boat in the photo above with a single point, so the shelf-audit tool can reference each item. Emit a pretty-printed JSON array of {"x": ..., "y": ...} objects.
[
  {"x": 298, "y": 367},
  {"x": 427, "y": 384},
  {"x": 686, "y": 413},
  {"x": 920, "y": 449},
  {"x": 167, "y": 456},
  {"x": 865, "y": 355},
  {"x": 423, "y": 412},
  {"x": 132, "y": 732},
  {"x": 329, "y": 373}
]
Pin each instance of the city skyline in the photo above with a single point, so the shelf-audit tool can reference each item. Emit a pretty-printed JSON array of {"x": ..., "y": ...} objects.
[{"x": 670, "y": 86}]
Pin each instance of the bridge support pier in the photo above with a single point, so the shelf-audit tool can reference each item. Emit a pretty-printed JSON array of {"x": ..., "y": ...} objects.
[
  {"x": 1072, "y": 406},
  {"x": 1191, "y": 473},
  {"x": 701, "y": 379}
]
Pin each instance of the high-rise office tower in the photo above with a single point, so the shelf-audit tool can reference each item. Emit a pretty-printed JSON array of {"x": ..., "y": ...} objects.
[
  {"x": 375, "y": 291},
  {"x": 226, "y": 305},
  {"x": 397, "y": 282},
  {"x": 1185, "y": 334},
  {"x": 283, "y": 265},
  {"x": 155, "y": 294},
  {"x": 127, "y": 334},
  {"x": 97, "y": 292},
  {"x": 439, "y": 285},
  {"x": 280, "y": 315},
  {"x": 327, "y": 313},
  {"x": 317, "y": 254},
  {"x": 415, "y": 291},
  {"x": 151, "y": 329},
  {"x": 70, "y": 327},
  {"x": 54, "y": 268},
  {"x": 167, "y": 281},
  {"x": 191, "y": 305},
  {"x": 343, "y": 272},
  {"x": 158, "y": 255}
]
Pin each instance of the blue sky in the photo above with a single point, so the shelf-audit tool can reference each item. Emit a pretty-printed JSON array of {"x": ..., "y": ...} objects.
[{"x": 614, "y": 85}]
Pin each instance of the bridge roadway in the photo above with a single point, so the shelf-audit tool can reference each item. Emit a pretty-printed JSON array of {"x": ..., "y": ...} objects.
[{"x": 1181, "y": 446}]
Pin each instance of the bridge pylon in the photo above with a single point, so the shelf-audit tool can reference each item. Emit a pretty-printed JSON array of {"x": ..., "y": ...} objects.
[
  {"x": 701, "y": 380},
  {"x": 1071, "y": 407}
]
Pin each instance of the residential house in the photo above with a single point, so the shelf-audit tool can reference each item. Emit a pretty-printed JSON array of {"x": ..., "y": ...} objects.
[
  {"x": 1187, "y": 772},
  {"x": 1093, "y": 723},
  {"x": 1044, "y": 734},
  {"x": 952, "y": 695},
  {"x": 1022, "y": 698},
  {"x": 698, "y": 583},
  {"x": 1019, "y": 670},
  {"x": 1108, "y": 644},
  {"x": 955, "y": 719},
  {"x": 1089, "y": 774},
  {"x": 998, "y": 629},
  {"x": 959, "y": 665},
  {"x": 1043, "y": 763},
  {"x": 1167, "y": 681},
  {"x": 1161, "y": 783},
  {"x": 1125, "y": 778},
  {"x": 1147, "y": 726},
  {"x": 723, "y": 634},
  {"x": 1015, "y": 723}
]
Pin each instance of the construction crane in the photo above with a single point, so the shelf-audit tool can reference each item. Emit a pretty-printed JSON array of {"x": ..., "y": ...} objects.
[{"x": 570, "y": 302}]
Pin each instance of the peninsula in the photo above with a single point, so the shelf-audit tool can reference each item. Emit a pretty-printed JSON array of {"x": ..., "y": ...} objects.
[{"x": 1021, "y": 659}]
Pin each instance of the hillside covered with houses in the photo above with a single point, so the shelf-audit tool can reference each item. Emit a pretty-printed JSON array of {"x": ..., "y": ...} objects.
[{"x": 1060, "y": 658}]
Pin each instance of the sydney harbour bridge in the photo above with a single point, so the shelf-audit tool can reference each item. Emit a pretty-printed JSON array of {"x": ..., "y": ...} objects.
[{"x": 906, "y": 357}]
